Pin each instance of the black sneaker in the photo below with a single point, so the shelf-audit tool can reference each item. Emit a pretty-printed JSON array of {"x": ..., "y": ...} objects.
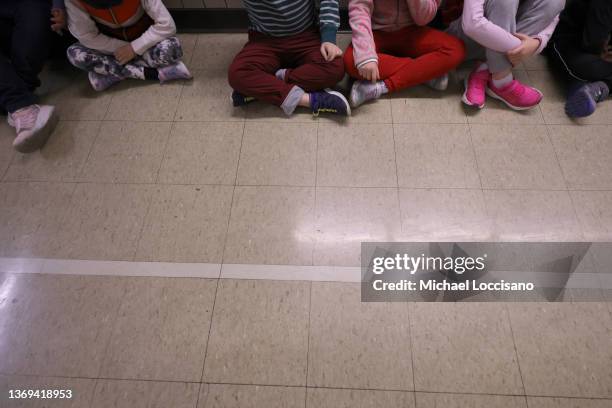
[
  {"x": 239, "y": 99},
  {"x": 329, "y": 101},
  {"x": 583, "y": 100}
]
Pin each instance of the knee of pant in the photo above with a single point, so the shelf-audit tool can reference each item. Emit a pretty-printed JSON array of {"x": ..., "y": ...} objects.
[
  {"x": 234, "y": 77},
  {"x": 502, "y": 7},
  {"x": 334, "y": 71},
  {"x": 72, "y": 53},
  {"x": 170, "y": 50},
  {"x": 552, "y": 8},
  {"x": 457, "y": 51}
]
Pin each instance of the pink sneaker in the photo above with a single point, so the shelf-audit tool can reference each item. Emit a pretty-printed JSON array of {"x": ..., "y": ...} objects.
[
  {"x": 475, "y": 88},
  {"x": 516, "y": 95},
  {"x": 33, "y": 124}
]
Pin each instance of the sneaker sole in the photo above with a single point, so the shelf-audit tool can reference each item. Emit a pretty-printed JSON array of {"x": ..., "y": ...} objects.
[
  {"x": 581, "y": 106},
  {"x": 352, "y": 102},
  {"x": 339, "y": 95},
  {"x": 464, "y": 98},
  {"x": 493, "y": 95},
  {"x": 38, "y": 141}
]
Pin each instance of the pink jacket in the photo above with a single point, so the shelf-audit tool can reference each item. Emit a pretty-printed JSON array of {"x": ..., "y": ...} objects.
[{"x": 385, "y": 15}]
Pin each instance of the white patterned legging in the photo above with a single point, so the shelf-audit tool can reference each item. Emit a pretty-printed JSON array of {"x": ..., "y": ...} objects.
[{"x": 164, "y": 53}]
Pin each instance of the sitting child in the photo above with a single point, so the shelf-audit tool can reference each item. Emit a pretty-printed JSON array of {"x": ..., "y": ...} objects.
[
  {"x": 581, "y": 49},
  {"x": 393, "y": 49},
  {"x": 288, "y": 61},
  {"x": 500, "y": 34},
  {"x": 121, "y": 39}
]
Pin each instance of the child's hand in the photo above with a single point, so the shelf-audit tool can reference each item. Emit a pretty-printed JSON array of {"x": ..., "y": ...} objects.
[
  {"x": 330, "y": 51},
  {"x": 58, "y": 20},
  {"x": 529, "y": 46},
  {"x": 369, "y": 71},
  {"x": 125, "y": 54}
]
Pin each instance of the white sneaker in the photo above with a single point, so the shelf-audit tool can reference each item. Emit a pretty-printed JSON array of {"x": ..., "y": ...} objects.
[
  {"x": 34, "y": 125},
  {"x": 438, "y": 84}
]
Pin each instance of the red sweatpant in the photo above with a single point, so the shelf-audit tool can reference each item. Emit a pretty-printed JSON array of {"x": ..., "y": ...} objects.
[
  {"x": 411, "y": 56},
  {"x": 253, "y": 69}
]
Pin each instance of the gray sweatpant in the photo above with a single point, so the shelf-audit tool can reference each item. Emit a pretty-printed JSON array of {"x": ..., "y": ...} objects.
[{"x": 515, "y": 16}]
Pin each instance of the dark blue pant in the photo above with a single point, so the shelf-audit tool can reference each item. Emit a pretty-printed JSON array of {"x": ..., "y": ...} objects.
[{"x": 24, "y": 46}]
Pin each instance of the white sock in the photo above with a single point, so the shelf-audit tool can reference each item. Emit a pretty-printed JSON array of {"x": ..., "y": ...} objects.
[
  {"x": 382, "y": 87},
  {"x": 280, "y": 74},
  {"x": 502, "y": 82},
  {"x": 482, "y": 67}
]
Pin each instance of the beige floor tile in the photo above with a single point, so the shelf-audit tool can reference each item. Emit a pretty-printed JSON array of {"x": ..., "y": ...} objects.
[
  {"x": 346, "y": 217},
  {"x": 161, "y": 330},
  {"x": 259, "y": 111},
  {"x": 344, "y": 332},
  {"x": 278, "y": 154},
  {"x": 545, "y": 402},
  {"x": 70, "y": 92},
  {"x": 378, "y": 111},
  {"x": 564, "y": 349},
  {"x": 251, "y": 396},
  {"x": 259, "y": 333},
  {"x": 30, "y": 216},
  {"x": 207, "y": 98},
  {"x": 513, "y": 156},
  {"x": 188, "y": 43},
  {"x": 103, "y": 222},
  {"x": 443, "y": 215},
  {"x": 127, "y": 152},
  {"x": 532, "y": 215},
  {"x": 356, "y": 156},
  {"x": 336, "y": 398},
  {"x": 186, "y": 224},
  {"x": 498, "y": 112},
  {"x": 585, "y": 154},
  {"x": 80, "y": 389},
  {"x": 435, "y": 156},
  {"x": 425, "y": 105},
  {"x": 553, "y": 104},
  {"x": 594, "y": 210},
  {"x": 271, "y": 225},
  {"x": 61, "y": 159},
  {"x": 144, "y": 394},
  {"x": 202, "y": 153},
  {"x": 7, "y": 134},
  {"x": 145, "y": 100},
  {"x": 217, "y": 51},
  {"x": 463, "y": 346},
  {"x": 425, "y": 400},
  {"x": 64, "y": 324}
]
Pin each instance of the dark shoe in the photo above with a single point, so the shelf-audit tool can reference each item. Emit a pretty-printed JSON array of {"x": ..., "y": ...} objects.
[
  {"x": 329, "y": 101},
  {"x": 239, "y": 99},
  {"x": 583, "y": 100}
]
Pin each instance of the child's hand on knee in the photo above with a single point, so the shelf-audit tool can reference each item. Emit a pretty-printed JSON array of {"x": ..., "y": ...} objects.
[
  {"x": 58, "y": 20},
  {"x": 369, "y": 71},
  {"x": 330, "y": 51},
  {"x": 125, "y": 54},
  {"x": 529, "y": 46}
]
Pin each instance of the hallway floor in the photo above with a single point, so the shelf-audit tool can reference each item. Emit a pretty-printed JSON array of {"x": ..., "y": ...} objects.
[{"x": 168, "y": 250}]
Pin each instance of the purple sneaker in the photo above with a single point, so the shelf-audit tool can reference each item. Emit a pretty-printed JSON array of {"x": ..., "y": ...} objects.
[
  {"x": 329, "y": 101},
  {"x": 583, "y": 100}
]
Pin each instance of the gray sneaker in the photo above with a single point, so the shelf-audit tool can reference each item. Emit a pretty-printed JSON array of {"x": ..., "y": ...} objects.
[{"x": 34, "y": 124}]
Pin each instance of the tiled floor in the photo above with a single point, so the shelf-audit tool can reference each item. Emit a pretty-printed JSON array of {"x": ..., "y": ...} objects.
[{"x": 173, "y": 181}]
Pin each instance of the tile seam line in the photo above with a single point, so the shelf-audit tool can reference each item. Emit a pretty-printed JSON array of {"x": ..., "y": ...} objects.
[{"x": 309, "y": 387}]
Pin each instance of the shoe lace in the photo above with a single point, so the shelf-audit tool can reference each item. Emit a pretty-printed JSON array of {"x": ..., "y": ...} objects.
[{"x": 25, "y": 118}]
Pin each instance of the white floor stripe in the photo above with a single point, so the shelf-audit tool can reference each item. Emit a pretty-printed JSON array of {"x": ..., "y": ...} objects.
[
  {"x": 291, "y": 272},
  {"x": 180, "y": 270}
]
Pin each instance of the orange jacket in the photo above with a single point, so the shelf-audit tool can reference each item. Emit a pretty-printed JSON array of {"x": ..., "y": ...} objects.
[{"x": 126, "y": 21}]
